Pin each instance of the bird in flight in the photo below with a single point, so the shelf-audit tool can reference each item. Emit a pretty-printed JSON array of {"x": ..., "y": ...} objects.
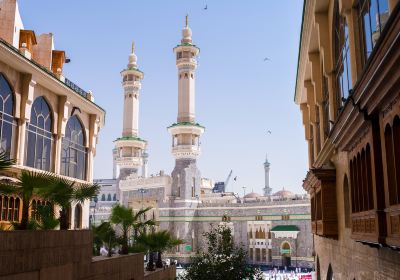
[
  {"x": 269, "y": 132},
  {"x": 234, "y": 179},
  {"x": 267, "y": 59},
  {"x": 205, "y": 8}
]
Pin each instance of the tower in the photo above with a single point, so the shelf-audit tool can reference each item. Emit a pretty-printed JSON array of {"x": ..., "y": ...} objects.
[
  {"x": 186, "y": 132},
  {"x": 267, "y": 188},
  {"x": 130, "y": 148}
]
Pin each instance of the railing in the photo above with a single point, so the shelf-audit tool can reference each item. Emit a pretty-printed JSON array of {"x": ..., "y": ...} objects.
[{"x": 75, "y": 88}]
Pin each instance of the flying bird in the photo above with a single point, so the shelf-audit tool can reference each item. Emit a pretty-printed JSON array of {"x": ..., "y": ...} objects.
[
  {"x": 269, "y": 132},
  {"x": 234, "y": 179},
  {"x": 267, "y": 59},
  {"x": 205, "y": 8}
]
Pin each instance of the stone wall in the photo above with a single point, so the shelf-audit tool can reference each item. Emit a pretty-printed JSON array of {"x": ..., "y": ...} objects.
[
  {"x": 168, "y": 273},
  {"x": 353, "y": 260},
  {"x": 66, "y": 255}
]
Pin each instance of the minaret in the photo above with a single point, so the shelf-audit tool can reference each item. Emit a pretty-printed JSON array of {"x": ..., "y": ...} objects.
[
  {"x": 267, "y": 188},
  {"x": 186, "y": 132},
  {"x": 129, "y": 148}
]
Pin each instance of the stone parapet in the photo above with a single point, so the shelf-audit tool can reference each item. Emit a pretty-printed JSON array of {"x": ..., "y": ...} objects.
[{"x": 66, "y": 255}]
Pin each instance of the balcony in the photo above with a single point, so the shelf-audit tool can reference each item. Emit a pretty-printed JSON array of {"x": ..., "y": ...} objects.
[{"x": 321, "y": 185}]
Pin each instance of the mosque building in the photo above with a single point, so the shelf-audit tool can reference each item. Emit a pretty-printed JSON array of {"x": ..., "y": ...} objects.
[{"x": 274, "y": 228}]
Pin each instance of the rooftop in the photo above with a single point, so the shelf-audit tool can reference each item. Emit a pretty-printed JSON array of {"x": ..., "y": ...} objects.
[{"x": 75, "y": 88}]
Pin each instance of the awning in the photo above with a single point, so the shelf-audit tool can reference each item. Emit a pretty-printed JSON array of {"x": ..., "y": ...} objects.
[
  {"x": 285, "y": 228},
  {"x": 285, "y": 231}
]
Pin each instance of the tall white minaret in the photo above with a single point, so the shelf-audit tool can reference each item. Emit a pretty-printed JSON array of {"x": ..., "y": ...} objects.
[
  {"x": 267, "y": 188},
  {"x": 129, "y": 148},
  {"x": 186, "y": 132}
]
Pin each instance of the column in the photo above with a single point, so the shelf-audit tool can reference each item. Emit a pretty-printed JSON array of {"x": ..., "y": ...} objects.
[
  {"x": 28, "y": 89},
  {"x": 61, "y": 124}
]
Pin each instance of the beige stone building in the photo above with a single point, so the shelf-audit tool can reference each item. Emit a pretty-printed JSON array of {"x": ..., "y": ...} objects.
[
  {"x": 47, "y": 123},
  {"x": 348, "y": 91}
]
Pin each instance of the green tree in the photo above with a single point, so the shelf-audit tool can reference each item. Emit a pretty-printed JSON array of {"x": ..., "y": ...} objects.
[
  {"x": 221, "y": 260},
  {"x": 106, "y": 234},
  {"x": 46, "y": 219},
  {"x": 126, "y": 219},
  {"x": 63, "y": 193},
  {"x": 27, "y": 185},
  {"x": 97, "y": 239},
  {"x": 158, "y": 242}
]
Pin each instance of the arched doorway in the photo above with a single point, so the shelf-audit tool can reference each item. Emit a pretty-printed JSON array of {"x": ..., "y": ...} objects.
[
  {"x": 318, "y": 270},
  {"x": 329, "y": 275},
  {"x": 286, "y": 254},
  {"x": 78, "y": 216}
]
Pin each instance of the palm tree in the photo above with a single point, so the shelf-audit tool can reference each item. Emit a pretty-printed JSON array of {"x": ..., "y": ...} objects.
[
  {"x": 158, "y": 242},
  {"x": 106, "y": 234},
  {"x": 27, "y": 186},
  {"x": 63, "y": 193},
  {"x": 127, "y": 219},
  {"x": 164, "y": 241},
  {"x": 5, "y": 161}
]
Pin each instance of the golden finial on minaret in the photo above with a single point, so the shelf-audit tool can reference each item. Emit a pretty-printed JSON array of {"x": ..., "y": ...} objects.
[
  {"x": 133, "y": 46},
  {"x": 187, "y": 20}
]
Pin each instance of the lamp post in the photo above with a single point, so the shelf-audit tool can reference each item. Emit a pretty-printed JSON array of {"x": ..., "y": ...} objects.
[{"x": 142, "y": 191}]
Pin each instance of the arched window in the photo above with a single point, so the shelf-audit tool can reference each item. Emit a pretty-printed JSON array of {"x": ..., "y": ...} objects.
[
  {"x": 78, "y": 216},
  {"x": 390, "y": 163},
  {"x": 73, "y": 155},
  {"x": 109, "y": 197},
  {"x": 329, "y": 275},
  {"x": 346, "y": 201},
  {"x": 372, "y": 18},
  {"x": 342, "y": 58},
  {"x": 103, "y": 197},
  {"x": 396, "y": 147},
  {"x": 7, "y": 122},
  {"x": 115, "y": 197},
  {"x": 9, "y": 208},
  {"x": 39, "y": 136}
]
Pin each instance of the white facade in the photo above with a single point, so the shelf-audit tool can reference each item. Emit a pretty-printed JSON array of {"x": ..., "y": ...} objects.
[{"x": 100, "y": 207}]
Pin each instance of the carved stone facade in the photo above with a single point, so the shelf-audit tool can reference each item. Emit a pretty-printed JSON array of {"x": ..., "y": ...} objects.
[{"x": 347, "y": 88}]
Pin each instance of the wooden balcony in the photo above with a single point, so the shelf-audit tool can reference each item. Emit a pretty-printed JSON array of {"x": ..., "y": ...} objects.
[
  {"x": 321, "y": 184},
  {"x": 393, "y": 225},
  {"x": 365, "y": 227}
]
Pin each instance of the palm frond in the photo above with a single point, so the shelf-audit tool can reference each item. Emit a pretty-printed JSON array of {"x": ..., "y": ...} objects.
[
  {"x": 8, "y": 189},
  {"x": 141, "y": 212},
  {"x": 5, "y": 161},
  {"x": 86, "y": 191}
]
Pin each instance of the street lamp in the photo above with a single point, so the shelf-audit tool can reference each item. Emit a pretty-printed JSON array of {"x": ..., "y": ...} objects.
[{"x": 142, "y": 191}]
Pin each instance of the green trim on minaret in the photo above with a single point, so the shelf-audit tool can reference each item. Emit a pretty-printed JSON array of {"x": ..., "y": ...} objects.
[{"x": 186, "y": 124}]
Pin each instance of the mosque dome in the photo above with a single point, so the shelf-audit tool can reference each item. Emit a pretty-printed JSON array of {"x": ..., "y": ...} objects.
[
  {"x": 252, "y": 195},
  {"x": 284, "y": 193}
]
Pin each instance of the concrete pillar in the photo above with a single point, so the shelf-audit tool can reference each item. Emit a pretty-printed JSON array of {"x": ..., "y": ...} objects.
[
  {"x": 28, "y": 88},
  {"x": 61, "y": 124}
]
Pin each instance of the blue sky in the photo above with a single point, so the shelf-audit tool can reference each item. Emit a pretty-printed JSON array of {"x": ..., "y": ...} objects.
[{"x": 239, "y": 97}]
